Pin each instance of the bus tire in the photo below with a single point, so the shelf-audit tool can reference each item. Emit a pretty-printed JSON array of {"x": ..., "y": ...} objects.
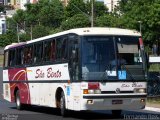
[
  {"x": 64, "y": 111},
  {"x": 18, "y": 101},
  {"x": 116, "y": 113}
]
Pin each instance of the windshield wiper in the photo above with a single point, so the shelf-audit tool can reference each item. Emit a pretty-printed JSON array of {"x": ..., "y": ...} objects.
[{"x": 105, "y": 74}]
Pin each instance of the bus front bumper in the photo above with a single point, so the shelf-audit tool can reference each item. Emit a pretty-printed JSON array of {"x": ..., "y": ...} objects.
[{"x": 113, "y": 102}]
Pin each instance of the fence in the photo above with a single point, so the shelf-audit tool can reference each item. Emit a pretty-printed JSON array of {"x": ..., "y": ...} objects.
[{"x": 154, "y": 84}]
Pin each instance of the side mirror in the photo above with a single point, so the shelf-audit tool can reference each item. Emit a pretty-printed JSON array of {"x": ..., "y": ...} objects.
[{"x": 147, "y": 60}]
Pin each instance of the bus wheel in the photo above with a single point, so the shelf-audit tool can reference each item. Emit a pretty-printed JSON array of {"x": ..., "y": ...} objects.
[
  {"x": 116, "y": 113},
  {"x": 18, "y": 102},
  {"x": 63, "y": 109}
]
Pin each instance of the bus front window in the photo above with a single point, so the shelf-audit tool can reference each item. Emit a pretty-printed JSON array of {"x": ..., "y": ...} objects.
[
  {"x": 129, "y": 50},
  {"x": 111, "y": 58},
  {"x": 97, "y": 52}
]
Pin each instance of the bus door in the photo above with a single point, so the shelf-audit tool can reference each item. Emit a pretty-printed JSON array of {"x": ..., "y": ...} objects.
[{"x": 74, "y": 97}]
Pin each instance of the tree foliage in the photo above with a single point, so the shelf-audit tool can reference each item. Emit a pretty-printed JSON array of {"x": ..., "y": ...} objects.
[
  {"x": 32, "y": 13},
  {"x": 75, "y": 7},
  {"x": 51, "y": 13},
  {"x": 8, "y": 38},
  {"x": 2, "y": 8},
  {"x": 146, "y": 11},
  {"x": 76, "y": 21},
  {"x": 39, "y": 31},
  {"x": 50, "y": 16},
  {"x": 107, "y": 20}
]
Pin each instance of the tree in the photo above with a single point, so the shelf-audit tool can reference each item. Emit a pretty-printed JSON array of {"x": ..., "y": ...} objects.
[
  {"x": 51, "y": 12},
  {"x": 75, "y": 7},
  {"x": 2, "y": 8},
  {"x": 24, "y": 37},
  {"x": 8, "y": 38},
  {"x": 146, "y": 11},
  {"x": 80, "y": 7},
  {"x": 107, "y": 20},
  {"x": 39, "y": 31},
  {"x": 99, "y": 8},
  {"x": 19, "y": 16},
  {"x": 32, "y": 13},
  {"x": 76, "y": 21}
]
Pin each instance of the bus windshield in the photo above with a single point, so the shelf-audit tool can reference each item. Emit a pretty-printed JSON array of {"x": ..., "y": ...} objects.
[{"x": 105, "y": 57}]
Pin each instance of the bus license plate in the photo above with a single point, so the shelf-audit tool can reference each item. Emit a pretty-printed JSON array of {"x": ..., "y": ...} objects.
[{"x": 117, "y": 102}]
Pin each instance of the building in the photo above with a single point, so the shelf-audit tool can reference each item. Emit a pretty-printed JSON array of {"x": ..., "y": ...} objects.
[
  {"x": 14, "y": 3},
  {"x": 2, "y": 24},
  {"x": 1, "y": 2},
  {"x": 20, "y": 4},
  {"x": 23, "y": 2},
  {"x": 65, "y": 2},
  {"x": 111, "y": 4}
]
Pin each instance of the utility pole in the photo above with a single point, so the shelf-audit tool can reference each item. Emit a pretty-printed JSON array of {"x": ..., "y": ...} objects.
[
  {"x": 140, "y": 26},
  {"x": 92, "y": 13},
  {"x": 31, "y": 33},
  {"x": 18, "y": 33}
]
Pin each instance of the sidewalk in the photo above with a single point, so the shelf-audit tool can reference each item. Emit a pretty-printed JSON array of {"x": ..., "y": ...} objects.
[{"x": 153, "y": 107}]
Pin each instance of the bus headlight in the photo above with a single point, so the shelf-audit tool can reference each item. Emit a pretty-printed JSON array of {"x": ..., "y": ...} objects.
[
  {"x": 98, "y": 91},
  {"x": 139, "y": 90},
  {"x": 91, "y": 91}
]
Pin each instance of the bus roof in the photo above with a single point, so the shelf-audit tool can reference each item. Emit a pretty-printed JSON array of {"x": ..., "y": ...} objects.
[
  {"x": 84, "y": 31},
  {"x": 13, "y": 45}
]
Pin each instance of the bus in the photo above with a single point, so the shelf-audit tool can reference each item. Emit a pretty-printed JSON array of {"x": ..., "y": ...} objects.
[{"x": 78, "y": 69}]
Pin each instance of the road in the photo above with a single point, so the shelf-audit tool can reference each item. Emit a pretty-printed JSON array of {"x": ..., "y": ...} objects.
[{"x": 8, "y": 111}]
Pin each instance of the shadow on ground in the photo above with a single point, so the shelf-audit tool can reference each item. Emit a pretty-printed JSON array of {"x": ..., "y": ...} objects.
[{"x": 72, "y": 114}]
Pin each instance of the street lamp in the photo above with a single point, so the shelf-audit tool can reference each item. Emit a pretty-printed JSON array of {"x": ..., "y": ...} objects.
[{"x": 140, "y": 26}]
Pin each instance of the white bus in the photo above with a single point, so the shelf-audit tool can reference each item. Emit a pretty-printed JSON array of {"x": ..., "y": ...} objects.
[{"x": 78, "y": 69}]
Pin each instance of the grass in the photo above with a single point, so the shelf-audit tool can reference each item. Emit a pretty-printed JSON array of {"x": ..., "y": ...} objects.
[
  {"x": 154, "y": 68},
  {"x": 153, "y": 102},
  {"x": 156, "y": 101},
  {"x": 1, "y": 60}
]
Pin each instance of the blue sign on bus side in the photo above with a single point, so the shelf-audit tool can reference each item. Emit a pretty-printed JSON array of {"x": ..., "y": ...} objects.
[
  {"x": 68, "y": 90},
  {"x": 122, "y": 75}
]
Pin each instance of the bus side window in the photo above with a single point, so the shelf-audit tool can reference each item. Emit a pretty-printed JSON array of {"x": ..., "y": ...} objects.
[
  {"x": 28, "y": 55},
  {"x": 12, "y": 58},
  {"x": 74, "y": 54},
  {"x": 47, "y": 50},
  {"x": 64, "y": 49},
  {"x": 6, "y": 59},
  {"x": 61, "y": 48},
  {"x": 53, "y": 51},
  {"x": 58, "y": 49},
  {"x": 19, "y": 56},
  {"x": 38, "y": 52}
]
